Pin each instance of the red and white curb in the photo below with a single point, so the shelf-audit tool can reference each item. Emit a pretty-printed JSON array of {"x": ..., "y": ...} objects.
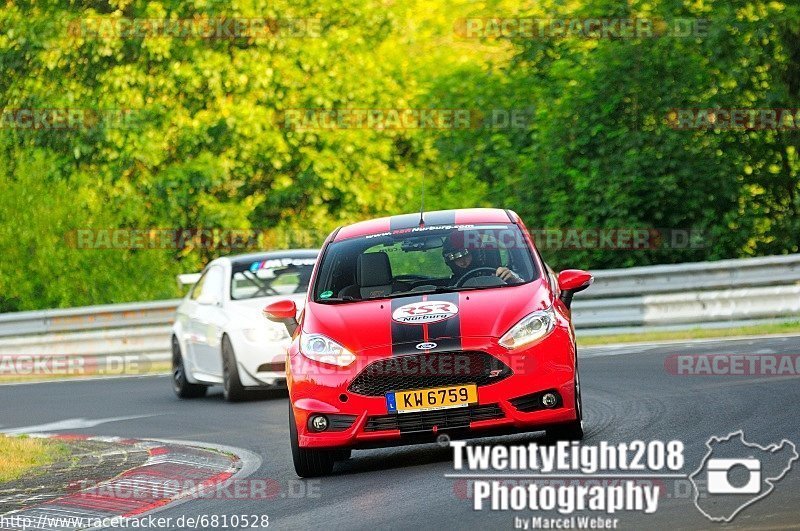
[{"x": 174, "y": 472}]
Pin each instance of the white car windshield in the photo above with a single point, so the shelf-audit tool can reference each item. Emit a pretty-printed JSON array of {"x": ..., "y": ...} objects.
[{"x": 270, "y": 275}]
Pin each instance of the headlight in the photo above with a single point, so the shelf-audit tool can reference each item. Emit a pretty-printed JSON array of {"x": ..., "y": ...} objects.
[
  {"x": 530, "y": 329},
  {"x": 319, "y": 348},
  {"x": 265, "y": 334}
]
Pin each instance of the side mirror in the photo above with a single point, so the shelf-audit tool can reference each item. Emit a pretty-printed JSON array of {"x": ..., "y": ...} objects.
[
  {"x": 283, "y": 312},
  {"x": 571, "y": 281}
]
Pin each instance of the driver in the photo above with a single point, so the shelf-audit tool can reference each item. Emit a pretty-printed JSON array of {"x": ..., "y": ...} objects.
[{"x": 461, "y": 260}]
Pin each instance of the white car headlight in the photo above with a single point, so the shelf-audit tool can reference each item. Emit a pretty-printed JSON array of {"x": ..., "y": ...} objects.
[
  {"x": 530, "y": 329},
  {"x": 324, "y": 350},
  {"x": 265, "y": 334}
]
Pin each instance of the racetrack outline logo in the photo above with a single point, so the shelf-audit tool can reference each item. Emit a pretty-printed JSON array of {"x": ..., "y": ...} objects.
[{"x": 717, "y": 474}]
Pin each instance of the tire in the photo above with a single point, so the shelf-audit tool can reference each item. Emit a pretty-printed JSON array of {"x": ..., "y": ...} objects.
[
  {"x": 571, "y": 431},
  {"x": 183, "y": 388},
  {"x": 232, "y": 387},
  {"x": 310, "y": 463}
]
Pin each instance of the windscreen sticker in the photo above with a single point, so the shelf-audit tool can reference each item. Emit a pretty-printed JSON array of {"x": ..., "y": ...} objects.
[
  {"x": 326, "y": 295},
  {"x": 483, "y": 227},
  {"x": 281, "y": 262},
  {"x": 425, "y": 312},
  {"x": 417, "y": 230}
]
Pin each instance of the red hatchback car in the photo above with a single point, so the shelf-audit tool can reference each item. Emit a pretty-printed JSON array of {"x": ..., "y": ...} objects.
[{"x": 417, "y": 326}]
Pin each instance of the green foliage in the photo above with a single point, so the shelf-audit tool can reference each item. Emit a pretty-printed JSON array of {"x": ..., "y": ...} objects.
[{"x": 205, "y": 143}]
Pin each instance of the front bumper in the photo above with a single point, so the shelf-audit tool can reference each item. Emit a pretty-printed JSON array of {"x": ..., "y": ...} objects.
[
  {"x": 505, "y": 406},
  {"x": 261, "y": 363}
]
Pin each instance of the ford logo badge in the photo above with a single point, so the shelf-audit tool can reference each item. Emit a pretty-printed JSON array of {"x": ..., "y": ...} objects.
[{"x": 426, "y": 346}]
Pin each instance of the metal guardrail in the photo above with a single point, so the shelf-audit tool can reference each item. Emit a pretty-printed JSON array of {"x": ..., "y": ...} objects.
[
  {"x": 698, "y": 276},
  {"x": 714, "y": 294},
  {"x": 88, "y": 318}
]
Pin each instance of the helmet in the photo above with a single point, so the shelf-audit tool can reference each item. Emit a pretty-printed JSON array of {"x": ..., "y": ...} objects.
[{"x": 454, "y": 247}]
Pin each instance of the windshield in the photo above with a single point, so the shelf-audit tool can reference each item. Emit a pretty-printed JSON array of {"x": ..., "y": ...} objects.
[
  {"x": 266, "y": 277},
  {"x": 424, "y": 260}
]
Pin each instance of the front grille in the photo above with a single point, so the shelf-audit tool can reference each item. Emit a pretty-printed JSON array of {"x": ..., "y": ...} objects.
[
  {"x": 424, "y": 370},
  {"x": 340, "y": 422},
  {"x": 425, "y": 420}
]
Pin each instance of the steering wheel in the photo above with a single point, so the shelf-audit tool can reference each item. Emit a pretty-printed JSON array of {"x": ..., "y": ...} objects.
[{"x": 472, "y": 273}]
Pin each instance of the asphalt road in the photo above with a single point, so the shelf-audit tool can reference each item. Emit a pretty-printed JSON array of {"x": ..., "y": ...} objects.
[{"x": 627, "y": 392}]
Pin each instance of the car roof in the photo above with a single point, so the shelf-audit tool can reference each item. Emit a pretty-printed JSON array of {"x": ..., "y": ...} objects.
[
  {"x": 438, "y": 217},
  {"x": 288, "y": 253}
]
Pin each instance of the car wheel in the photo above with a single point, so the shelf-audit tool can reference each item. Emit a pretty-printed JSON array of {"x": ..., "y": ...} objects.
[
  {"x": 309, "y": 462},
  {"x": 183, "y": 387},
  {"x": 232, "y": 387},
  {"x": 571, "y": 431}
]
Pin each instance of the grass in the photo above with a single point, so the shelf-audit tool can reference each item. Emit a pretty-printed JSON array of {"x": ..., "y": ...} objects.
[
  {"x": 154, "y": 368},
  {"x": 694, "y": 333},
  {"x": 18, "y": 455}
]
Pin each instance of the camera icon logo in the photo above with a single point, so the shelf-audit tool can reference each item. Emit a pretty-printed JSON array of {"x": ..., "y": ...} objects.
[
  {"x": 735, "y": 474},
  {"x": 718, "y": 476}
]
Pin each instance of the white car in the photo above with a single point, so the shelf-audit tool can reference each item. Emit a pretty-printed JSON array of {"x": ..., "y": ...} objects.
[{"x": 220, "y": 336}]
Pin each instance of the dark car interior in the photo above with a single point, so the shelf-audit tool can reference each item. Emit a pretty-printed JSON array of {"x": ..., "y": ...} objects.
[{"x": 371, "y": 274}]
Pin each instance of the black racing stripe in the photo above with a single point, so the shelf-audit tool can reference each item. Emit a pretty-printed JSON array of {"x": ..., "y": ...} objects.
[
  {"x": 444, "y": 217},
  {"x": 405, "y": 335},
  {"x": 405, "y": 221},
  {"x": 446, "y": 334},
  {"x": 409, "y": 221}
]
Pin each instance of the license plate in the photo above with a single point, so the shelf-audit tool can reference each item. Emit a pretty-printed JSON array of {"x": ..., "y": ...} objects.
[{"x": 434, "y": 398}]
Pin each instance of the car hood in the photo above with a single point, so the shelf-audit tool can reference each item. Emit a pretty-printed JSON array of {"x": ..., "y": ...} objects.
[{"x": 446, "y": 318}]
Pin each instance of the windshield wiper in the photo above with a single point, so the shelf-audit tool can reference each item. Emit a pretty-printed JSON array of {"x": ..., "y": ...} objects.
[
  {"x": 440, "y": 289},
  {"x": 346, "y": 298}
]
